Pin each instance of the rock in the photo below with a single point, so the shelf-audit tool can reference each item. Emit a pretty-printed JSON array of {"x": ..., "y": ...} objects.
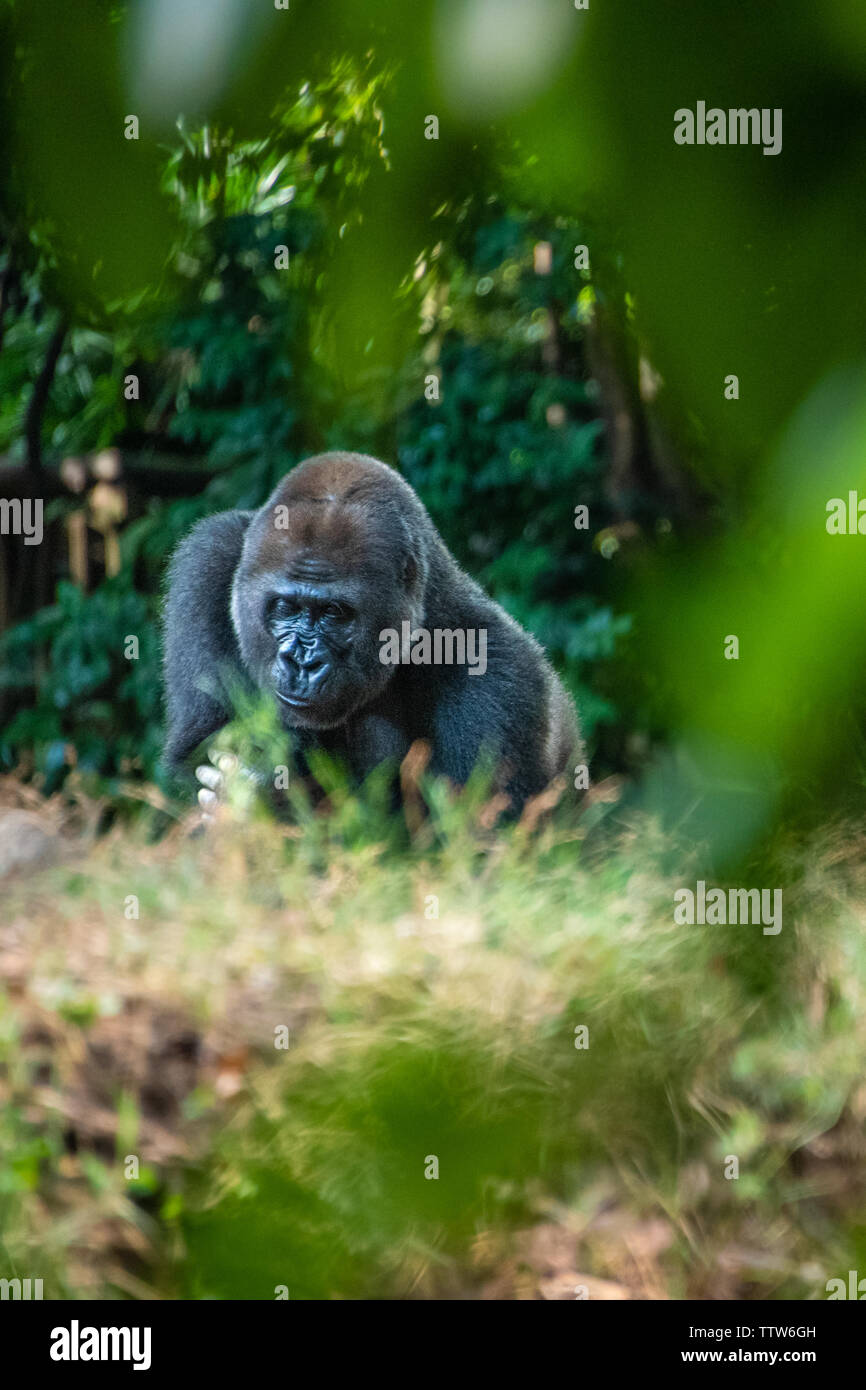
[{"x": 26, "y": 842}]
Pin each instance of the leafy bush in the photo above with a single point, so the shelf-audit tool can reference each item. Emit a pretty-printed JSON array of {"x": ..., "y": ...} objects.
[{"x": 239, "y": 365}]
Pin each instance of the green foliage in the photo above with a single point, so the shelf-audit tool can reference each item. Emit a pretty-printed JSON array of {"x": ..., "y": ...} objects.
[
  {"x": 412, "y": 257},
  {"x": 240, "y": 364},
  {"x": 512, "y": 447},
  {"x": 96, "y": 702}
]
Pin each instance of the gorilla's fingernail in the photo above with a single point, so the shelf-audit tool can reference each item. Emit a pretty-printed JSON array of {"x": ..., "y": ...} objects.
[{"x": 206, "y": 798}]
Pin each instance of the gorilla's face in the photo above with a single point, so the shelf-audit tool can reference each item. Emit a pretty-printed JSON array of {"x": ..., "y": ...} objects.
[
  {"x": 310, "y": 599},
  {"x": 324, "y": 647}
]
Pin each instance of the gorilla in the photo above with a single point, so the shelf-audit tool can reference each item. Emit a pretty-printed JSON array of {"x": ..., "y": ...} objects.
[{"x": 341, "y": 601}]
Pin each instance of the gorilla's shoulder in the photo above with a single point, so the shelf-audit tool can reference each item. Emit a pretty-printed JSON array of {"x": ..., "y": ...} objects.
[
  {"x": 209, "y": 551},
  {"x": 209, "y": 530}
]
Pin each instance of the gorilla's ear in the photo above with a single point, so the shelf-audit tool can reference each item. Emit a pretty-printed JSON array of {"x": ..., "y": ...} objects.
[
  {"x": 200, "y": 647},
  {"x": 411, "y": 550}
]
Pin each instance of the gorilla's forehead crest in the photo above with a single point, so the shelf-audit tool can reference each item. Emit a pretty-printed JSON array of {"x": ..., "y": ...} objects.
[
  {"x": 338, "y": 481},
  {"x": 329, "y": 529},
  {"x": 328, "y": 514},
  {"x": 308, "y": 568}
]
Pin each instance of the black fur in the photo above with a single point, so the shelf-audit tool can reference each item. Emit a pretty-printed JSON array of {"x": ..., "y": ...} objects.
[{"x": 364, "y": 526}]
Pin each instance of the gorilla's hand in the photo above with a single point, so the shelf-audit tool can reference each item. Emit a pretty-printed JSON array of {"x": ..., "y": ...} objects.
[{"x": 224, "y": 781}]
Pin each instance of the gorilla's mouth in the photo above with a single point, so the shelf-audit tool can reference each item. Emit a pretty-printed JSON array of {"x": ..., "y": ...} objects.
[
  {"x": 309, "y": 713},
  {"x": 313, "y": 711},
  {"x": 294, "y": 701},
  {"x": 319, "y": 710}
]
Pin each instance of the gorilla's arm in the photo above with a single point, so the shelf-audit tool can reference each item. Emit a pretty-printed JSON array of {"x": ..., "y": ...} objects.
[
  {"x": 516, "y": 711},
  {"x": 200, "y": 647}
]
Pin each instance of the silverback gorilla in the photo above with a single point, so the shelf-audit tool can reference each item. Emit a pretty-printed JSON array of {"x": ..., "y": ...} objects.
[{"x": 297, "y": 598}]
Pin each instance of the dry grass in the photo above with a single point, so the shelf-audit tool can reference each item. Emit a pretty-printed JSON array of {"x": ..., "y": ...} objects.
[{"x": 562, "y": 1172}]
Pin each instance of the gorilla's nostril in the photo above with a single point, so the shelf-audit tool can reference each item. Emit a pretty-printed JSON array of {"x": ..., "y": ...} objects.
[
  {"x": 305, "y": 670},
  {"x": 309, "y": 661},
  {"x": 316, "y": 672}
]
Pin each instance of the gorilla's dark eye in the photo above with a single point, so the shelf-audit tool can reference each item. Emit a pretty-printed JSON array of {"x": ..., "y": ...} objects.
[
  {"x": 339, "y": 611},
  {"x": 280, "y": 607}
]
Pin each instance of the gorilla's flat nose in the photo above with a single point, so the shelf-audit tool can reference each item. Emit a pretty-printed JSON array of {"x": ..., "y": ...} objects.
[
  {"x": 295, "y": 652},
  {"x": 308, "y": 659},
  {"x": 305, "y": 666}
]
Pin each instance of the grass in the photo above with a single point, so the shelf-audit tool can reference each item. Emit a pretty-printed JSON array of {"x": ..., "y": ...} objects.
[{"x": 159, "y": 1139}]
